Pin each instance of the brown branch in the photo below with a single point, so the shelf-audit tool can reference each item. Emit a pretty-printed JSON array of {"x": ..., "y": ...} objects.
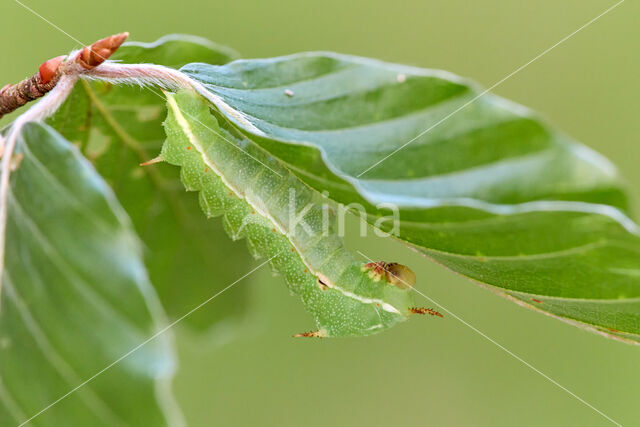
[{"x": 15, "y": 96}]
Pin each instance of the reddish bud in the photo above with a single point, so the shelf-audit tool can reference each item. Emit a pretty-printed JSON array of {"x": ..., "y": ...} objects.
[
  {"x": 49, "y": 69},
  {"x": 94, "y": 55}
]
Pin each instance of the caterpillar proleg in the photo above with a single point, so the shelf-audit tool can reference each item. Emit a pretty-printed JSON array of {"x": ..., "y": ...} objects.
[{"x": 253, "y": 192}]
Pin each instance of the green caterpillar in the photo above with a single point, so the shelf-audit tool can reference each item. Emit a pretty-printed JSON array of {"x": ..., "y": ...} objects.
[{"x": 258, "y": 197}]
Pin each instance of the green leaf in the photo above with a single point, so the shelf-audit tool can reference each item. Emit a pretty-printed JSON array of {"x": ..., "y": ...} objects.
[
  {"x": 119, "y": 127},
  {"x": 75, "y": 298},
  {"x": 483, "y": 185},
  {"x": 175, "y": 50},
  {"x": 283, "y": 221}
]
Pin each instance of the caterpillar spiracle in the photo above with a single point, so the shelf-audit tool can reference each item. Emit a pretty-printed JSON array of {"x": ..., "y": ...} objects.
[{"x": 252, "y": 191}]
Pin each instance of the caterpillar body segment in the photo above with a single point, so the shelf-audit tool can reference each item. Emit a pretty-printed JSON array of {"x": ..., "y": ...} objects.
[{"x": 282, "y": 220}]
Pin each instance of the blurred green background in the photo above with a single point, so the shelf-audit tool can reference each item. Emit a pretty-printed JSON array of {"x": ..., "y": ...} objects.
[{"x": 429, "y": 370}]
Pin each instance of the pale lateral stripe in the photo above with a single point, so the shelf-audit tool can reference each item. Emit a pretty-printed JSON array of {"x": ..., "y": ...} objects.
[{"x": 186, "y": 128}]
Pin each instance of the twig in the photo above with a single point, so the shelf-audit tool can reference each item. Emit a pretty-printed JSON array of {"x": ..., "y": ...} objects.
[{"x": 15, "y": 96}]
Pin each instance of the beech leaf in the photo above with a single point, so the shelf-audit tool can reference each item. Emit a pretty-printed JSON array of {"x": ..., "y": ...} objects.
[
  {"x": 484, "y": 186},
  {"x": 76, "y": 298}
]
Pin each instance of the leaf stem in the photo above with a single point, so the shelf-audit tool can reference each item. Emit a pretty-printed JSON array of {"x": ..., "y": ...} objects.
[
  {"x": 38, "y": 112},
  {"x": 165, "y": 77}
]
